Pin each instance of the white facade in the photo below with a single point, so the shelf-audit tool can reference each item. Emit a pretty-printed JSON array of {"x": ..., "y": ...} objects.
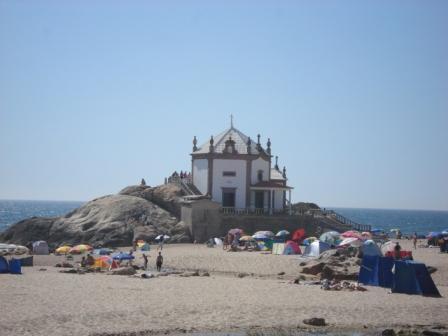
[
  {"x": 200, "y": 175},
  {"x": 260, "y": 165},
  {"x": 237, "y": 172},
  {"x": 222, "y": 183}
]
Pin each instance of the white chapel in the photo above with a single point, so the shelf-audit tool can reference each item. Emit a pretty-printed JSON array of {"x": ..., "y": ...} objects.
[{"x": 238, "y": 173}]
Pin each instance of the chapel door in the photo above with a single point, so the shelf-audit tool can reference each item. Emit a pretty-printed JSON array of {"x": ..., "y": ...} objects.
[{"x": 228, "y": 199}]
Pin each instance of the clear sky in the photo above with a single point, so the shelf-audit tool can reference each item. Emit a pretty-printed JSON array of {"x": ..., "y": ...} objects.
[{"x": 95, "y": 95}]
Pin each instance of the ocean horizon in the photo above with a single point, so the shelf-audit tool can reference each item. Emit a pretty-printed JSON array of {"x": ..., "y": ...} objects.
[{"x": 408, "y": 220}]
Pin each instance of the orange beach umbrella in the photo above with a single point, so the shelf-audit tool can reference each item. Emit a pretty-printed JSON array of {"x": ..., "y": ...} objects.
[{"x": 82, "y": 248}]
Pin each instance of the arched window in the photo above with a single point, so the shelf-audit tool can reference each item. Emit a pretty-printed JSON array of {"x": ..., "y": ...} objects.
[{"x": 260, "y": 175}]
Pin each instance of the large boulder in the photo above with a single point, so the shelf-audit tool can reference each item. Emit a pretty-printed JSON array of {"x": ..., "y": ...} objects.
[
  {"x": 28, "y": 230},
  {"x": 167, "y": 196},
  {"x": 114, "y": 220},
  {"x": 141, "y": 191}
]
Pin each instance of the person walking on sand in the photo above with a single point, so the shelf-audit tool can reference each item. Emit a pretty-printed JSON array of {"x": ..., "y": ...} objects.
[
  {"x": 145, "y": 261},
  {"x": 161, "y": 241},
  {"x": 414, "y": 240},
  {"x": 397, "y": 250},
  {"x": 159, "y": 262}
]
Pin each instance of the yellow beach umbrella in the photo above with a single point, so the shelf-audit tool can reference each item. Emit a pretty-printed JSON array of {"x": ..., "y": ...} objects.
[{"x": 63, "y": 249}]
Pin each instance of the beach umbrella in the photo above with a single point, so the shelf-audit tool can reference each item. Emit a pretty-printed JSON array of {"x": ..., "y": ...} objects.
[
  {"x": 351, "y": 234},
  {"x": 236, "y": 231},
  {"x": 395, "y": 230},
  {"x": 63, "y": 249},
  {"x": 103, "y": 251},
  {"x": 298, "y": 235},
  {"x": 433, "y": 235},
  {"x": 366, "y": 235},
  {"x": 265, "y": 233},
  {"x": 351, "y": 241},
  {"x": 165, "y": 237},
  {"x": 122, "y": 256},
  {"x": 82, "y": 248},
  {"x": 445, "y": 232},
  {"x": 388, "y": 247},
  {"x": 260, "y": 236},
  {"x": 246, "y": 238},
  {"x": 105, "y": 262},
  {"x": 331, "y": 237},
  {"x": 282, "y": 233}
]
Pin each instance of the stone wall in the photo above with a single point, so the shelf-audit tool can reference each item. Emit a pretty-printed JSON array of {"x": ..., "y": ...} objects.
[{"x": 205, "y": 221}]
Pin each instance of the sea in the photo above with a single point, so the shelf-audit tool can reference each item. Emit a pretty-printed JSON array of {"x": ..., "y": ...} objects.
[
  {"x": 408, "y": 221},
  {"x": 14, "y": 211}
]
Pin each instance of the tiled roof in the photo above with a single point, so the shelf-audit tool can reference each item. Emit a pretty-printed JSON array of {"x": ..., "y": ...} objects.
[
  {"x": 276, "y": 174},
  {"x": 220, "y": 139}
]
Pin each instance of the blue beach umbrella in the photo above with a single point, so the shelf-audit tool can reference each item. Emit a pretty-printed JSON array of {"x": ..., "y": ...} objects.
[
  {"x": 102, "y": 251},
  {"x": 122, "y": 256},
  {"x": 433, "y": 235}
]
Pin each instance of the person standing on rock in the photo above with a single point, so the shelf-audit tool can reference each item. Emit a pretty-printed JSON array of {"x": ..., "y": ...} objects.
[{"x": 159, "y": 262}]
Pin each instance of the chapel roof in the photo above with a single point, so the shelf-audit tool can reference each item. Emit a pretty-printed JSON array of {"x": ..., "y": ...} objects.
[{"x": 237, "y": 136}]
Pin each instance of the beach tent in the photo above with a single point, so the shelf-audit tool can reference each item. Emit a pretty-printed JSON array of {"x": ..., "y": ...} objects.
[
  {"x": 376, "y": 271},
  {"x": 4, "y": 267},
  {"x": 330, "y": 237},
  {"x": 316, "y": 248},
  {"x": 388, "y": 247},
  {"x": 413, "y": 278},
  {"x": 40, "y": 247},
  {"x": 218, "y": 241},
  {"x": 278, "y": 248},
  {"x": 291, "y": 247},
  {"x": 370, "y": 248},
  {"x": 15, "y": 267}
]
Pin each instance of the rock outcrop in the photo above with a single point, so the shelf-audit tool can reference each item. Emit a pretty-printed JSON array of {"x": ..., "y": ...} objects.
[
  {"x": 137, "y": 212},
  {"x": 166, "y": 196},
  {"x": 334, "y": 265}
]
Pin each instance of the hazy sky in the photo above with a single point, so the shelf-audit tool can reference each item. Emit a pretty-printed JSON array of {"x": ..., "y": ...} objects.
[{"x": 353, "y": 94}]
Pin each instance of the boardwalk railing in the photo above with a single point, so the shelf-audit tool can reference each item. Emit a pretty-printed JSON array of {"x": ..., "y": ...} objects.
[
  {"x": 344, "y": 220},
  {"x": 231, "y": 211}
]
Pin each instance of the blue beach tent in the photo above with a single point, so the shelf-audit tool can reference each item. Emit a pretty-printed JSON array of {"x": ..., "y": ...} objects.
[
  {"x": 4, "y": 267},
  {"x": 15, "y": 267},
  {"x": 413, "y": 278},
  {"x": 376, "y": 271}
]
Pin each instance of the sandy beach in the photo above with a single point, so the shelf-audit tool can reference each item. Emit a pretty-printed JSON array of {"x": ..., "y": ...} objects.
[{"x": 47, "y": 302}]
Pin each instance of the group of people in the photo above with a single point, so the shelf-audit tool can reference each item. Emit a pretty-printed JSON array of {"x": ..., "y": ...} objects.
[
  {"x": 159, "y": 261},
  {"x": 182, "y": 174}
]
